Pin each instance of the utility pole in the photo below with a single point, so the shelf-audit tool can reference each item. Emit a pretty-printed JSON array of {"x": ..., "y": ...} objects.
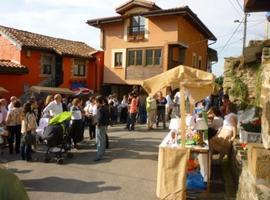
[{"x": 245, "y": 33}]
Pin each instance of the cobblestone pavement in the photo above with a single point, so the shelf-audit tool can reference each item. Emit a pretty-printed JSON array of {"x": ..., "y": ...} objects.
[{"x": 128, "y": 171}]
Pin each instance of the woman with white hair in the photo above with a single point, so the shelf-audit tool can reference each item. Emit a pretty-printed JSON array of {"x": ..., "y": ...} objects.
[{"x": 55, "y": 107}]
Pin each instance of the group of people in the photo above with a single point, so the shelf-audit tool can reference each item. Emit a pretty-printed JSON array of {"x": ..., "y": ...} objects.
[
  {"x": 21, "y": 121},
  {"x": 99, "y": 112},
  {"x": 222, "y": 124}
]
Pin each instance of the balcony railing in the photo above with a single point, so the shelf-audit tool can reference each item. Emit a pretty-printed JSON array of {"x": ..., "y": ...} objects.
[{"x": 136, "y": 30}]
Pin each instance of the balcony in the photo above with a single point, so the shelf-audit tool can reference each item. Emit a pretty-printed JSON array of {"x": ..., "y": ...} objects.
[{"x": 136, "y": 33}]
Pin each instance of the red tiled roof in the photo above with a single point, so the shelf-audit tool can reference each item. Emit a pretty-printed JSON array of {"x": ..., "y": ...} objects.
[
  {"x": 38, "y": 41},
  {"x": 9, "y": 67}
]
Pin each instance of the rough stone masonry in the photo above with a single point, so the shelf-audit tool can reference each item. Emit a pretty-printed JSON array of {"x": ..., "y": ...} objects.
[{"x": 265, "y": 97}]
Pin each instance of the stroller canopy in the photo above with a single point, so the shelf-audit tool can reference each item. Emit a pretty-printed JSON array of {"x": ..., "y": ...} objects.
[{"x": 58, "y": 119}]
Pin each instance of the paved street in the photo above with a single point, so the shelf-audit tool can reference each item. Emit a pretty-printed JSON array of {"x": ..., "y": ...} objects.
[{"x": 128, "y": 171}]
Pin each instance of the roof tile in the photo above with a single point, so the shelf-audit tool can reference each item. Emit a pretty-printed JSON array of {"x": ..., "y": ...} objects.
[
  {"x": 58, "y": 45},
  {"x": 9, "y": 67}
]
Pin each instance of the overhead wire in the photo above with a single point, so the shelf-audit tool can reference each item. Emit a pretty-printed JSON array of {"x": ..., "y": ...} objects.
[
  {"x": 238, "y": 3},
  {"x": 235, "y": 8},
  {"x": 234, "y": 32},
  {"x": 233, "y": 42}
]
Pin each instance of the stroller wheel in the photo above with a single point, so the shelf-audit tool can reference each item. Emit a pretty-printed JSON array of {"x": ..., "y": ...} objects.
[
  {"x": 60, "y": 161},
  {"x": 47, "y": 159},
  {"x": 69, "y": 155}
]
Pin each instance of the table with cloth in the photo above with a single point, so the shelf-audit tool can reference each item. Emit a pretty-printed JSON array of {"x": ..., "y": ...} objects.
[{"x": 172, "y": 167}]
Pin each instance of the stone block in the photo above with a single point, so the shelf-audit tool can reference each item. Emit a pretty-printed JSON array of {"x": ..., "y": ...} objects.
[
  {"x": 266, "y": 118},
  {"x": 259, "y": 162}
]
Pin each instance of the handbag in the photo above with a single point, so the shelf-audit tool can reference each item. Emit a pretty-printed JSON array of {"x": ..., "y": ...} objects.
[{"x": 29, "y": 138}]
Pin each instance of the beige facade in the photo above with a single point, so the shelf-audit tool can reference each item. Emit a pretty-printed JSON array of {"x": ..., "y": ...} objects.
[{"x": 166, "y": 41}]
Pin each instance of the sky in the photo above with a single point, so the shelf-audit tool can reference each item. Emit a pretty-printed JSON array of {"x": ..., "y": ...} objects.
[{"x": 67, "y": 19}]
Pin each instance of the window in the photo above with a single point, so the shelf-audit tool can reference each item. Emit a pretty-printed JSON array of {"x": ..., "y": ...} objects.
[
  {"x": 194, "y": 60},
  {"x": 153, "y": 57},
  {"x": 79, "y": 68},
  {"x": 135, "y": 57},
  {"x": 118, "y": 59},
  {"x": 137, "y": 25},
  {"x": 200, "y": 62},
  {"x": 47, "y": 64}
]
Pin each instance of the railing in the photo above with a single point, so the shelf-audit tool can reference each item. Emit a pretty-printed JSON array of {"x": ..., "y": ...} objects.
[{"x": 136, "y": 30}]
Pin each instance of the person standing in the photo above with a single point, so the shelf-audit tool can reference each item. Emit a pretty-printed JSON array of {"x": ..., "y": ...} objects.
[
  {"x": 101, "y": 128},
  {"x": 161, "y": 102},
  {"x": 133, "y": 112},
  {"x": 29, "y": 126},
  {"x": 224, "y": 109},
  {"x": 11, "y": 104},
  {"x": 13, "y": 122},
  {"x": 169, "y": 105},
  {"x": 55, "y": 107},
  {"x": 3, "y": 108},
  {"x": 76, "y": 122},
  {"x": 91, "y": 116},
  {"x": 151, "y": 109},
  {"x": 124, "y": 109}
]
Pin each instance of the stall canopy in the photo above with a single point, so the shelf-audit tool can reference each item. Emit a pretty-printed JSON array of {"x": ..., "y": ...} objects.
[
  {"x": 198, "y": 83},
  {"x": 51, "y": 90},
  {"x": 3, "y": 90}
]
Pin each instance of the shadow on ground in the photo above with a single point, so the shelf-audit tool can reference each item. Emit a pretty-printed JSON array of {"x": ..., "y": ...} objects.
[{"x": 67, "y": 185}]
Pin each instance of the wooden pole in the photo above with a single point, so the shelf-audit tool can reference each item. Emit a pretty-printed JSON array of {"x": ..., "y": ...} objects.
[{"x": 183, "y": 115}]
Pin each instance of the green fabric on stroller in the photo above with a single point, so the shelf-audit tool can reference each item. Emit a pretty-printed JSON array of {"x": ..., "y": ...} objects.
[{"x": 57, "y": 119}]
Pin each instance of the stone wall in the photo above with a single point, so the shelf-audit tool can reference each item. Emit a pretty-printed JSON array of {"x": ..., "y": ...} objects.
[
  {"x": 249, "y": 188},
  {"x": 248, "y": 69},
  {"x": 265, "y": 97},
  {"x": 247, "y": 73}
]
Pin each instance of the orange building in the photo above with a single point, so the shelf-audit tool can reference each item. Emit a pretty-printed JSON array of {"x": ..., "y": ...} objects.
[
  {"x": 145, "y": 40},
  {"x": 28, "y": 59}
]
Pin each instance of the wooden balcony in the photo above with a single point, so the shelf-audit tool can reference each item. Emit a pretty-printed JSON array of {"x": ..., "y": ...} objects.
[{"x": 142, "y": 72}]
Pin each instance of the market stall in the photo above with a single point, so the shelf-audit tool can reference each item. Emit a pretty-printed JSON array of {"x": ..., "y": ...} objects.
[
  {"x": 172, "y": 164},
  {"x": 51, "y": 90}
]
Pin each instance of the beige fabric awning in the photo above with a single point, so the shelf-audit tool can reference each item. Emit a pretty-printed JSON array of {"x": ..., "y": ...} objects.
[
  {"x": 51, "y": 90},
  {"x": 3, "y": 90},
  {"x": 199, "y": 83}
]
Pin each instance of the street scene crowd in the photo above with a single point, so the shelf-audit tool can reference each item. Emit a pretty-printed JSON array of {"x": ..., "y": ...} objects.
[{"x": 19, "y": 123}]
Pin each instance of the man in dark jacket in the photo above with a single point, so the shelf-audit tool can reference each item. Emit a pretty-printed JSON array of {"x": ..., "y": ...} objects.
[{"x": 101, "y": 129}]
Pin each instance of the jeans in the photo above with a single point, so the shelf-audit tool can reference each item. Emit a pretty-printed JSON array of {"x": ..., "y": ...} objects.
[
  {"x": 92, "y": 131},
  {"x": 161, "y": 117},
  {"x": 131, "y": 121},
  {"x": 26, "y": 151},
  {"x": 14, "y": 131},
  {"x": 101, "y": 140}
]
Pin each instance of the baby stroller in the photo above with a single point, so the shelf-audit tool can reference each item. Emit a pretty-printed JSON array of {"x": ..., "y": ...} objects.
[{"x": 57, "y": 137}]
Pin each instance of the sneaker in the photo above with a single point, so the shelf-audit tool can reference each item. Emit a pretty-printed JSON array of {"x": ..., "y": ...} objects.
[{"x": 97, "y": 159}]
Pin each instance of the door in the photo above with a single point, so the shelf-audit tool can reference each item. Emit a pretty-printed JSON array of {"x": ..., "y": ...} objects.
[{"x": 59, "y": 74}]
